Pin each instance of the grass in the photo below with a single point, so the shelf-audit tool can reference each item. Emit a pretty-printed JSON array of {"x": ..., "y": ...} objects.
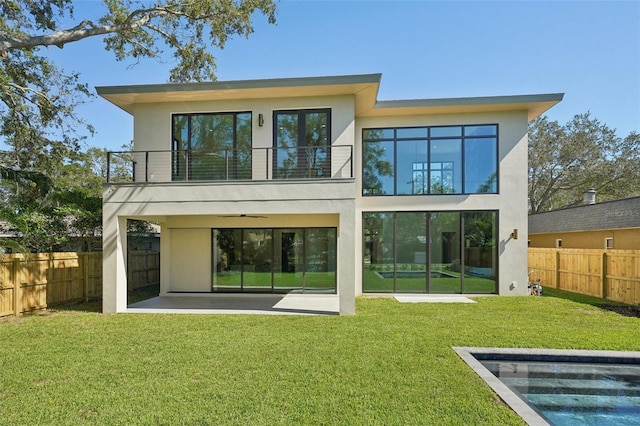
[{"x": 390, "y": 364}]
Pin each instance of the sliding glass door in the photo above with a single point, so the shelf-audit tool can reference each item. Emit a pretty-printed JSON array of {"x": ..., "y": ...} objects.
[
  {"x": 288, "y": 259},
  {"x": 432, "y": 252},
  {"x": 274, "y": 260},
  {"x": 301, "y": 144}
]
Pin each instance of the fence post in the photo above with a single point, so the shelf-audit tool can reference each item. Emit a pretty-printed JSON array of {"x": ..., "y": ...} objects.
[
  {"x": 17, "y": 297},
  {"x": 603, "y": 275},
  {"x": 557, "y": 269},
  {"x": 85, "y": 273}
]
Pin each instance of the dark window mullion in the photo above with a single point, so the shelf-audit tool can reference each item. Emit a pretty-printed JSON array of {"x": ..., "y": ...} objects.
[
  {"x": 427, "y": 243},
  {"x": 462, "y": 247},
  {"x": 273, "y": 258},
  {"x": 241, "y": 259},
  {"x": 463, "y": 164},
  {"x": 429, "y": 162},
  {"x": 234, "y": 148},
  {"x": 395, "y": 242},
  {"x": 187, "y": 154},
  {"x": 304, "y": 260},
  {"x": 302, "y": 144},
  {"x": 395, "y": 174}
]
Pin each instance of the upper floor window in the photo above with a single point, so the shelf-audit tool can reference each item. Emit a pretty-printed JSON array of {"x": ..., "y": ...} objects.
[
  {"x": 302, "y": 144},
  {"x": 211, "y": 146},
  {"x": 430, "y": 160}
]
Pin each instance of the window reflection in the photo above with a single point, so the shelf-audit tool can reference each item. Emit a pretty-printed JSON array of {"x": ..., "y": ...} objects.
[
  {"x": 274, "y": 260},
  {"x": 302, "y": 144},
  {"x": 430, "y": 160},
  {"x": 446, "y": 169},
  {"x": 409, "y": 180},
  {"x": 434, "y": 252},
  {"x": 378, "y": 171},
  {"x": 480, "y": 252},
  {"x": 211, "y": 146},
  {"x": 480, "y": 165}
]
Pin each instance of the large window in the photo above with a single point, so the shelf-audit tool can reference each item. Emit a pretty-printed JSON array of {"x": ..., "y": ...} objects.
[
  {"x": 430, "y": 252},
  {"x": 274, "y": 260},
  {"x": 430, "y": 160},
  {"x": 301, "y": 144},
  {"x": 214, "y": 146}
]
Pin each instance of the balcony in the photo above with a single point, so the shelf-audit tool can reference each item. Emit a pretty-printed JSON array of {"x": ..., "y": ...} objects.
[{"x": 327, "y": 162}]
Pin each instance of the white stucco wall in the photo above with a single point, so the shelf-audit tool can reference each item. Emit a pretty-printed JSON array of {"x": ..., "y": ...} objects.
[
  {"x": 152, "y": 124},
  {"x": 510, "y": 202},
  {"x": 189, "y": 260}
]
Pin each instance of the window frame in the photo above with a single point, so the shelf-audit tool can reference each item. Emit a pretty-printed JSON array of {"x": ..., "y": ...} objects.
[
  {"x": 273, "y": 286},
  {"x": 367, "y": 242},
  {"x": 463, "y": 137},
  {"x": 301, "y": 137},
  {"x": 176, "y": 148},
  {"x": 608, "y": 243}
]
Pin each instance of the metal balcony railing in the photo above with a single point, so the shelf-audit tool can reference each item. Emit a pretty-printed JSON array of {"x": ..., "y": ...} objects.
[{"x": 326, "y": 162}]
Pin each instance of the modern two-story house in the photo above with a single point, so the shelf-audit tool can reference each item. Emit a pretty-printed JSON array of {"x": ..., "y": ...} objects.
[{"x": 313, "y": 186}]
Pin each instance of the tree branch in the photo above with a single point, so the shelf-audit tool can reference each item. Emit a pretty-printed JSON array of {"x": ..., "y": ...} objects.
[
  {"x": 136, "y": 19},
  {"x": 81, "y": 31}
]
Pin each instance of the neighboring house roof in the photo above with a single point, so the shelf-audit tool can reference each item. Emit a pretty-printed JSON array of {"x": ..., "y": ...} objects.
[
  {"x": 615, "y": 214},
  {"x": 363, "y": 87}
]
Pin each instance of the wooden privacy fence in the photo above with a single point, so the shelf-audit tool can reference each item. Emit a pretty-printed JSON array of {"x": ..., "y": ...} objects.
[
  {"x": 609, "y": 274},
  {"x": 38, "y": 280}
]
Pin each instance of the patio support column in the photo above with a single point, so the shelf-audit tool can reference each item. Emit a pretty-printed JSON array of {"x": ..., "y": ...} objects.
[
  {"x": 114, "y": 262},
  {"x": 346, "y": 260}
]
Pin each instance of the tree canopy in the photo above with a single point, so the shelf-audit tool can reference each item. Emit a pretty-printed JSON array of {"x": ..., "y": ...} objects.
[
  {"x": 38, "y": 98},
  {"x": 565, "y": 160}
]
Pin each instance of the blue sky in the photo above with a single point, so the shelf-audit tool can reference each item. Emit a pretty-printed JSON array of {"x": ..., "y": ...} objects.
[{"x": 424, "y": 49}]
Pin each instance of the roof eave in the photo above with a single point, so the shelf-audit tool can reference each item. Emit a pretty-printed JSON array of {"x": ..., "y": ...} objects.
[
  {"x": 535, "y": 105},
  {"x": 363, "y": 86}
]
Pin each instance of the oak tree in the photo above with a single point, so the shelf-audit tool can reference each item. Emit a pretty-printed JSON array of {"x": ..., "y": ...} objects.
[
  {"x": 565, "y": 160},
  {"x": 39, "y": 99}
]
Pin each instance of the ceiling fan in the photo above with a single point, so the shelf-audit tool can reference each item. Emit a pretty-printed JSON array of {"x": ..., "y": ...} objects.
[{"x": 244, "y": 215}]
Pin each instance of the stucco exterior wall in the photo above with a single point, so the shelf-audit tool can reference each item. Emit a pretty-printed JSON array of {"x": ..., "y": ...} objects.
[
  {"x": 510, "y": 202},
  {"x": 623, "y": 239},
  {"x": 152, "y": 125},
  {"x": 152, "y": 131},
  {"x": 189, "y": 260}
]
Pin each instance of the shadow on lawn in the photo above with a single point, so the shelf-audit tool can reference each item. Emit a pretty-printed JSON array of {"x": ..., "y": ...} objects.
[
  {"x": 607, "y": 305},
  {"x": 133, "y": 296}
]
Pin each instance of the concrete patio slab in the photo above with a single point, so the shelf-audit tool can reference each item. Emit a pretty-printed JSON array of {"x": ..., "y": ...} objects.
[{"x": 263, "y": 304}]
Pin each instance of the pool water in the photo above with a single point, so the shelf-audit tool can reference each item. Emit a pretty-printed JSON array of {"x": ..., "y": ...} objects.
[
  {"x": 415, "y": 274},
  {"x": 574, "y": 393}
]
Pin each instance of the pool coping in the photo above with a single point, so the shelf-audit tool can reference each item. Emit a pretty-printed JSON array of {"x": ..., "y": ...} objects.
[{"x": 523, "y": 409}]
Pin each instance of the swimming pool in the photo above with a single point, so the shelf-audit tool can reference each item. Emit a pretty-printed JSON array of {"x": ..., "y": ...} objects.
[
  {"x": 415, "y": 274},
  {"x": 562, "y": 387}
]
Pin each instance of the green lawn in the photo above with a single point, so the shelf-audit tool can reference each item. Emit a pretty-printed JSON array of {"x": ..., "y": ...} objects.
[{"x": 390, "y": 364}]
